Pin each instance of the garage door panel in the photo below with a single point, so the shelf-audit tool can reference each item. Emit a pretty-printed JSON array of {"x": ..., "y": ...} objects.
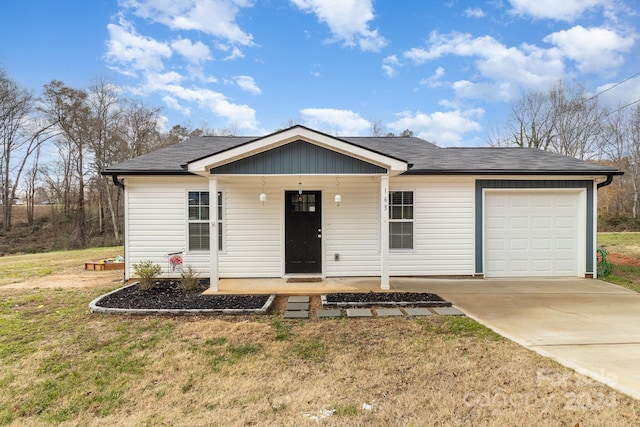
[
  {"x": 516, "y": 222},
  {"x": 531, "y": 234},
  {"x": 542, "y": 266},
  {"x": 542, "y": 244},
  {"x": 542, "y": 222},
  {"x": 519, "y": 244}
]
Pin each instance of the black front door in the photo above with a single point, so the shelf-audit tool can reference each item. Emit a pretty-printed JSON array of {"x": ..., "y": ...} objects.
[{"x": 303, "y": 232}]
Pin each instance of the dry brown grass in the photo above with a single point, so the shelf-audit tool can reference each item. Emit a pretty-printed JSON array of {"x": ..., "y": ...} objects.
[{"x": 64, "y": 365}]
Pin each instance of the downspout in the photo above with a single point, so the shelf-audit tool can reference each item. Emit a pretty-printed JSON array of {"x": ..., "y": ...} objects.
[
  {"x": 606, "y": 182},
  {"x": 120, "y": 184}
]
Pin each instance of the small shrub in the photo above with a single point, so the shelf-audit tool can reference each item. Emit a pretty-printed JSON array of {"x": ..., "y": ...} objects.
[
  {"x": 189, "y": 279},
  {"x": 146, "y": 272}
]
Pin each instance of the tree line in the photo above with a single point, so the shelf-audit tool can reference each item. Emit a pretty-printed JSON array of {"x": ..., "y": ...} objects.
[
  {"x": 570, "y": 121},
  {"x": 54, "y": 145}
]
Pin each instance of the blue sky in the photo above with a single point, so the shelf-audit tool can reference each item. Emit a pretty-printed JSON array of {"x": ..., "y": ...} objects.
[{"x": 446, "y": 70}]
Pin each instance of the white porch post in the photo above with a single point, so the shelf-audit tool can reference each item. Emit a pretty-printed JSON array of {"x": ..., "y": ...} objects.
[
  {"x": 213, "y": 233},
  {"x": 384, "y": 232}
]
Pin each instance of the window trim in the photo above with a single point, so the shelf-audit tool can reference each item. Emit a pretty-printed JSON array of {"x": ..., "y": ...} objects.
[
  {"x": 403, "y": 220},
  {"x": 220, "y": 207}
]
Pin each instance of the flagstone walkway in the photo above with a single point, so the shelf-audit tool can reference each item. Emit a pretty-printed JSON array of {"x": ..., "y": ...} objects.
[{"x": 298, "y": 308}]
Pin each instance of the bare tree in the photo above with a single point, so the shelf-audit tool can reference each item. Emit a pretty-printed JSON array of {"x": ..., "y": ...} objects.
[
  {"x": 578, "y": 122},
  {"x": 377, "y": 128},
  {"x": 67, "y": 108},
  {"x": 564, "y": 120},
  {"x": 20, "y": 137}
]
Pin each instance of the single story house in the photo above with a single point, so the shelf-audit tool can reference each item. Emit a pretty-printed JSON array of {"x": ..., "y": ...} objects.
[{"x": 302, "y": 202}]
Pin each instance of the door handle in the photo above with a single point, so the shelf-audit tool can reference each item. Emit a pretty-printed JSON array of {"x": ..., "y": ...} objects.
[{"x": 319, "y": 236}]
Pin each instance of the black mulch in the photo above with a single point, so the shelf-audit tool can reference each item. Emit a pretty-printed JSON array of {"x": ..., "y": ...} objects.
[
  {"x": 386, "y": 298},
  {"x": 169, "y": 295}
]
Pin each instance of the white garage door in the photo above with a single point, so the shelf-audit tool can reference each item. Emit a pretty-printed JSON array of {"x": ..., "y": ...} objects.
[{"x": 531, "y": 234}]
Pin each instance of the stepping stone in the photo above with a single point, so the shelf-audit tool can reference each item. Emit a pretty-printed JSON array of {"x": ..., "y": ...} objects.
[
  {"x": 418, "y": 311},
  {"x": 329, "y": 314},
  {"x": 448, "y": 311},
  {"x": 298, "y": 299},
  {"x": 388, "y": 312},
  {"x": 297, "y": 306},
  {"x": 359, "y": 312},
  {"x": 298, "y": 314}
]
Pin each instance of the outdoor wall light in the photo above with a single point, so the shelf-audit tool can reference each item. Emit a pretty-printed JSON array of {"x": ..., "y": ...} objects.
[
  {"x": 338, "y": 197},
  {"x": 263, "y": 195}
]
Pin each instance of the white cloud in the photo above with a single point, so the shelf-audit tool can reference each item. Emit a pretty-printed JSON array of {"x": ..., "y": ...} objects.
[
  {"x": 474, "y": 12},
  {"x": 348, "y": 20},
  {"x": 434, "y": 80},
  {"x": 524, "y": 66},
  {"x": 240, "y": 115},
  {"x": 620, "y": 95},
  {"x": 564, "y": 10},
  {"x": 248, "y": 84},
  {"x": 594, "y": 49},
  {"x": 195, "y": 53},
  {"x": 390, "y": 65},
  {"x": 343, "y": 122},
  {"x": 214, "y": 17},
  {"x": 127, "y": 47},
  {"x": 443, "y": 128}
]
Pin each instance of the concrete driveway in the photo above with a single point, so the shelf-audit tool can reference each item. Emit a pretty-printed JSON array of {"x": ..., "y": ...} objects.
[{"x": 588, "y": 325}]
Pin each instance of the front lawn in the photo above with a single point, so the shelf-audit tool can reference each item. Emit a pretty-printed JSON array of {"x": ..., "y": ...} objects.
[{"x": 61, "y": 364}]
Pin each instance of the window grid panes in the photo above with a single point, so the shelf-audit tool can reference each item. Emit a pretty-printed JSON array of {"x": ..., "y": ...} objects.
[
  {"x": 199, "y": 220},
  {"x": 401, "y": 220}
]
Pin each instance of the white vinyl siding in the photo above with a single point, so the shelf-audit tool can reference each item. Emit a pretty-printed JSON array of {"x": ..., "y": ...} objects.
[
  {"x": 352, "y": 230},
  {"x": 443, "y": 228},
  {"x": 156, "y": 216}
]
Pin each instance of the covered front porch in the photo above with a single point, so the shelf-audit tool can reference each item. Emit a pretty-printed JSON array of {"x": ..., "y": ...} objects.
[{"x": 299, "y": 202}]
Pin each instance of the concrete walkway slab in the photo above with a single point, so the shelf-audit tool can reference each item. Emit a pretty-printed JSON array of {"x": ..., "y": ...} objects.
[
  {"x": 298, "y": 298},
  {"x": 418, "y": 311},
  {"x": 359, "y": 312},
  {"x": 388, "y": 312},
  {"x": 297, "y": 306},
  {"x": 448, "y": 311},
  {"x": 297, "y": 314},
  {"x": 329, "y": 314}
]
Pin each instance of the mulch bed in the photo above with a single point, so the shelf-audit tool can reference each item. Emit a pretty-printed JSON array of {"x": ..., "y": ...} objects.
[
  {"x": 168, "y": 295},
  {"x": 372, "y": 299}
]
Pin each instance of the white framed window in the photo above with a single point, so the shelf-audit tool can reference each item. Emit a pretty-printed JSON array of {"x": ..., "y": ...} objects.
[
  {"x": 401, "y": 220},
  {"x": 198, "y": 220}
]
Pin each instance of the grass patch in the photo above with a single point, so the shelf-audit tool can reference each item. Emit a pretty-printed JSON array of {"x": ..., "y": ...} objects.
[
  {"x": 625, "y": 276},
  {"x": 283, "y": 330},
  {"x": 310, "y": 349},
  {"x": 458, "y": 327}
]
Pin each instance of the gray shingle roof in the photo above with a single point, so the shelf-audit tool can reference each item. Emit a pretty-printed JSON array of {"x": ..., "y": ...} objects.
[{"x": 422, "y": 156}]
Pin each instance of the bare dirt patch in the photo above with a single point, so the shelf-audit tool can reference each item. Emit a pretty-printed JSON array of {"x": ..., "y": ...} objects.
[
  {"x": 619, "y": 259},
  {"x": 74, "y": 277}
]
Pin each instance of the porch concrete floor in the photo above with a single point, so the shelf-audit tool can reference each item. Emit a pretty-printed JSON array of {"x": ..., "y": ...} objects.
[{"x": 334, "y": 285}]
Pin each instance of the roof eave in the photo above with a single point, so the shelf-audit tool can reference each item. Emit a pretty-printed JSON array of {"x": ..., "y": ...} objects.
[
  {"x": 123, "y": 172},
  {"x": 510, "y": 172}
]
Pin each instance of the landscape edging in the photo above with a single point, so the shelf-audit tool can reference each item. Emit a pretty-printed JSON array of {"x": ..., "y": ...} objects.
[{"x": 95, "y": 308}]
